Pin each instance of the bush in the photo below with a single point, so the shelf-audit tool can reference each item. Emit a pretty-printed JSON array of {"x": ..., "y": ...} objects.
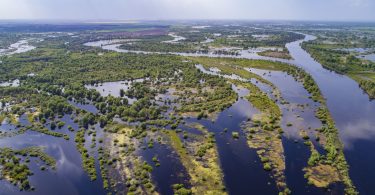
[
  {"x": 267, "y": 167},
  {"x": 235, "y": 135},
  {"x": 60, "y": 124}
]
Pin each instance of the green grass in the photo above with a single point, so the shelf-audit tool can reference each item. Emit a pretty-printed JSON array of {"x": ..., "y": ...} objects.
[{"x": 204, "y": 179}]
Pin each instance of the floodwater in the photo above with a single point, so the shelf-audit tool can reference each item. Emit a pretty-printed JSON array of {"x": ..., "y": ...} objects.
[
  {"x": 20, "y": 46},
  {"x": 176, "y": 38},
  {"x": 170, "y": 171},
  {"x": 86, "y": 106},
  {"x": 352, "y": 110},
  {"x": 68, "y": 178},
  {"x": 251, "y": 53},
  {"x": 356, "y": 50},
  {"x": 102, "y": 43},
  {"x": 208, "y": 40},
  {"x": 350, "y": 107},
  {"x": 353, "y": 113},
  {"x": 14, "y": 83},
  {"x": 299, "y": 111},
  {"x": 243, "y": 171},
  {"x": 370, "y": 57},
  {"x": 113, "y": 88}
]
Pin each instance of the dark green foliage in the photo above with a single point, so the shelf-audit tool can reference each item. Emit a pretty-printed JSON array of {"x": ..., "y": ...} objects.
[
  {"x": 368, "y": 86},
  {"x": 87, "y": 160},
  {"x": 15, "y": 170},
  {"x": 179, "y": 189}
]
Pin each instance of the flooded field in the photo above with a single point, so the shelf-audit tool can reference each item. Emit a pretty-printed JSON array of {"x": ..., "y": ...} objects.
[
  {"x": 177, "y": 139},
  {"x": 238, "y": 161},
  {"x": 21, "y": 46},
  {"x": 175, "y": 37},
  {"x": 113, "y": 88},
  {"x": 342, "y": 102},
  {"x": 67, "y": 178},
  {"x": 370, "y": 57},
  {"x": 14, "y": 83}
]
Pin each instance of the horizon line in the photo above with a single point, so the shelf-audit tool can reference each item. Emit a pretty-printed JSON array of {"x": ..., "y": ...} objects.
[{"x": 129, "y": 21}]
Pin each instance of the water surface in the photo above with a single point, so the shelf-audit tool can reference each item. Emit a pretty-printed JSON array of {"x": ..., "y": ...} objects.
[
  {"x": 352, "y": 111},
  {"x": 68, "y": 178},
  {"x": 20, "y": 46},
  {"x": 350, "y": 107}
]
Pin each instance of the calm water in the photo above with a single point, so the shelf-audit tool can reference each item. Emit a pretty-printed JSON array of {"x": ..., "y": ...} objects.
[
  {"x": 68, "y": 178},
  {"x": 113, "y": 88},
  {"x": 238, "y": 162},
  {"x": 302, "y": 118},
  {"x": 353, "y": 112},
  {"x": 19, "y": 47},
  {"x": 171, "y": 171},
  {"x": 351, "y": 108},
  {"x": 176, "y": 38},
  {"x": 113, "y": 45},
  {"x": 296, "y": 153},
  {"x": 370, "y": 57},
  {"x": 243, "y": 173},
  {"x": 87, "y": 107}
]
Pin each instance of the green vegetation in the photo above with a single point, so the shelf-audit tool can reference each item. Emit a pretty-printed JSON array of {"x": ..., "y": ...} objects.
[
  {"x": 159, "y": 47},
  {"x": 206, "y": 176},
  {"x": 173, "y": 90},
  {"x": 202, "y": 95},
  {"x": 265, "y": 129},
  {"x": 87, "y": 160},
  {"x": 257, "y": 39},
  {"x": 265, "y": 133},
  {"x": 13, "y": 170},
  {"x": 14, "y": 165},
  {"x": 308, "y": 83},
  {"x": 179, "y": 189},
  {"x": 6, "y": 39},
  {"x": 103, "y": 155},
  {"x": 333, "y": 51},
  {"x": 367, "y": 85},
  {"x": 38, "y": 152},
  {"x": 235, "y": 135},
  {"x": 335, "y": 155},
  {"x": 39, "y": 128},
  {"x": 229, "y": 66},
  {"x": 123, "y": 155},
  {"x": 284, "y": 54}
]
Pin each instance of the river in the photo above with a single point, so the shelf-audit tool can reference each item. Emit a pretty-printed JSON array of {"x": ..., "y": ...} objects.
[{"x": 353, "y": 112}]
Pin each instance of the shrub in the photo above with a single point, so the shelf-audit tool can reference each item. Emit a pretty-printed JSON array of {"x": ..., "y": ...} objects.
[
  {"x": 267, "y": 167},
  {"x": 235, "y": 135}
]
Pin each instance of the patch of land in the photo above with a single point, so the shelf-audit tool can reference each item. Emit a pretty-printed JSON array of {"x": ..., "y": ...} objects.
[
  {"x": 284, "y": 54},
  {"x": 200, "y": 158}
]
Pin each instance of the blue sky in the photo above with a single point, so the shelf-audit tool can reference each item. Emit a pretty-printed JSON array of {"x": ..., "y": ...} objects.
[{"x": 333, "y": 10}]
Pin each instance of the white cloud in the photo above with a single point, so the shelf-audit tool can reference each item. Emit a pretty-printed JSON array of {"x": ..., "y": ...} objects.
[{"x": 361, "y": 130}]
